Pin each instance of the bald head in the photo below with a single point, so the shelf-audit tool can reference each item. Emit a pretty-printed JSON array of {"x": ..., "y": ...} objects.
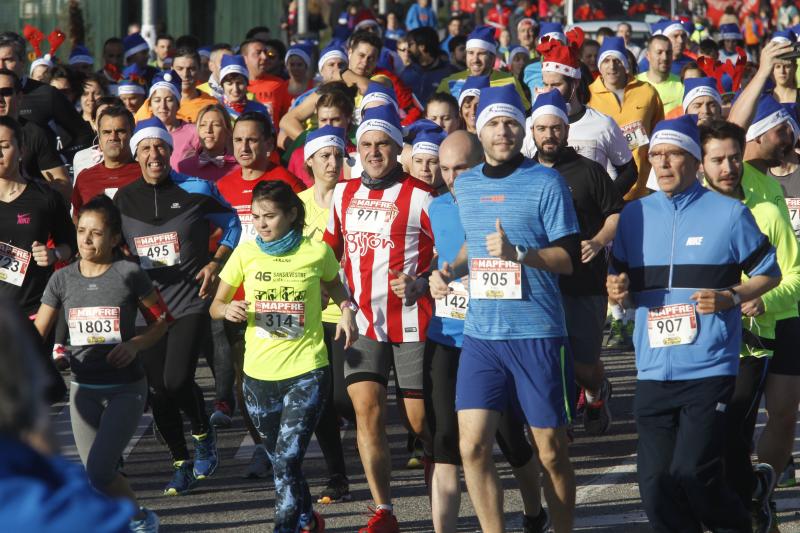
[{"x": 452, "y": 160}]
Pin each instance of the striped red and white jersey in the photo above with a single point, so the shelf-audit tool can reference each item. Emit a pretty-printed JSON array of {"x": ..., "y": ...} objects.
[{"x": 373, "y": 231}]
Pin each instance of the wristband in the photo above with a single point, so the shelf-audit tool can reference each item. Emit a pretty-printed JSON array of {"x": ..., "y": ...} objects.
[
  {"x": 349, "y": 304},
  {"x": 157, "y": 311}
]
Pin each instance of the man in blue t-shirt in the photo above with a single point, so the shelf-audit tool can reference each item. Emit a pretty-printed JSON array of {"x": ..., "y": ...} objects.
[{"x": 521, "y": 233}]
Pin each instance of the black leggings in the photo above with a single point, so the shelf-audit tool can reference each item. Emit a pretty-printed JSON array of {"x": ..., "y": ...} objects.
[
  {"x": 439, "y": 382},
  {"x": 170, "y": 367},
  {"x": 327, "y": 431},
  {"x": 740, "y": 422}
]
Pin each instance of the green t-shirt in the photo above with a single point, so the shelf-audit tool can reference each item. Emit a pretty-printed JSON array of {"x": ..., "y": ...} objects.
[
  {"x": 772, "y": 219},
  {"x": 284, "y": 337},
  {"x": 670, "y": 90}
]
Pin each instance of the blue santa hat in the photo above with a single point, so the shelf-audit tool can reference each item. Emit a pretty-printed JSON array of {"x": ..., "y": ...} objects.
[
  {"x": 128, "y": 86},
  {"x": 681, "y": 132},
  {"x": 334, "y": 50},
  {"x": 769, "y": 113},
  {"x": 784, "y": 37},
  {"x": 518, "y": 50},
  {"x": 792, "y": 110},
  {"x": 730, "y": 31},
  {"x": 80, "y": 54},
  {"x": 303, "y": 51},
  {"x": 550, "y": 103},
  {"x": 428, "y": 142},
  {"x": 378, "y": 92},
  {"x": 134, "y": 43},
  {"x": 503, "y": 101},
  {"x": 231, "y": 64},
  {"x": 613, "y": 47},
  {"x": 204, "y": 51},
  {"x": 554, "y": 30},
  {"x": 322, "y": 138},
  {"x": 411, "y": 131},
  {"x": 666, "y": 27},
  {"x": 152, "y": 128},
  {"x": 168, "y": 80},
  {"x": 472, "y": 87},
  {"x": 381, "y": 118},
  {"x": 482, "y": 37},
  {"x": 696, "y": 87}
]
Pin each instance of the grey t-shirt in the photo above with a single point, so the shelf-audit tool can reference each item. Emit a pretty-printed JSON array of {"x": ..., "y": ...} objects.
[
  {"x": 790, "y": 183},
  {"x": 100, "y": 313}
]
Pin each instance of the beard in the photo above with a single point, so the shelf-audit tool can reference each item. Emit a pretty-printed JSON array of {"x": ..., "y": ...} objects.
[{"x": 551, "y": 151}]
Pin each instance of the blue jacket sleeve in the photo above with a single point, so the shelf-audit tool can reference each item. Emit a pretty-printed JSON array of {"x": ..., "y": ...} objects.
[
  {"x": 751, "y": 248},
  {"x": 224, "y": 217}
]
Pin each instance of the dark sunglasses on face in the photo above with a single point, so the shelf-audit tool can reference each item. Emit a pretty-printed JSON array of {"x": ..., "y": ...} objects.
[{"x": 7, "y": 91}]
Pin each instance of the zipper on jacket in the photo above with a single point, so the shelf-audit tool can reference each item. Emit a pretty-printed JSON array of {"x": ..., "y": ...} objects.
[
  {"x": 155, "y": 202},
  {"x": 668, "y": 373}
]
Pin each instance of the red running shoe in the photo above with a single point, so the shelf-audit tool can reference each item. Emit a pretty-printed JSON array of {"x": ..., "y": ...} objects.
[{"x": 382, "y": 521}]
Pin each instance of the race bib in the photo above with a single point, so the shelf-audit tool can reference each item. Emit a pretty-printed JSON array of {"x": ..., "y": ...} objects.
[
  {"x": 794, "y": 213},
  {"x": 93, "y": 325},
  {"x": 455, "y": 304},
  {"x": 248, "y": 229},
  {"x": 495, "y": 279},
  {"x": 156, "y": 251},
  {"x": 635, "y": 135},
  {"x": 13, "y": 264},
  {"x": 277, "y": 320},
  {"x": 370, "y": 216},
  {"x": 671, "y": 325}
]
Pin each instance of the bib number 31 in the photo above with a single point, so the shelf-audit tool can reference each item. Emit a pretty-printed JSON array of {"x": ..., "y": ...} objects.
[{"x": 671, "y": 325}]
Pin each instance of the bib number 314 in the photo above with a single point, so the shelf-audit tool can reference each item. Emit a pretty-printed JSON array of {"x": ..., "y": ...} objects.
[
  {"x": 671, "y": 325},
  {"x": 280, "y": 320}
]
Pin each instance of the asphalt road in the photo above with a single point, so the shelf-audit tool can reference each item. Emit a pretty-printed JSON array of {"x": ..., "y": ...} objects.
[{"x": 607, "y": 494}]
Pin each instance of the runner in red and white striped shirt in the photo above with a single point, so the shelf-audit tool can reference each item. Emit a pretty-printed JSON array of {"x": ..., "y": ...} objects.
[
  {"x": 379, "y": 227},
  {"x": 377, "y": 230}
]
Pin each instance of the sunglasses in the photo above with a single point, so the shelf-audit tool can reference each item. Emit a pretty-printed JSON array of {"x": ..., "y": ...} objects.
[{"x": 7, "y": 91}]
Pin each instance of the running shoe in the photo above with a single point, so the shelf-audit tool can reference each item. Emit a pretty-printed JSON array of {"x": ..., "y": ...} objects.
[
  {"x": 60, "y": 357},
  {"x": 414, "y": 447},
  {"x": 788, "y": 478},
  {"x": 760, "y": 508},
  {"x": 148, "y": 524},
  {"x": 259, "y": 467},
  {"x": 337, "y": 490},
  {"x": 616, "y": 337},
  {"x": 182, "y": 480},
  {"x": 580, "y": 403},
  {"x": 205, "y": 454},
  {"x": 538, "y": 524},
  {"x": 597, "y": 415},
  {"x": 382, "y": 521},
  {"x": 221, "y": 417}
]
